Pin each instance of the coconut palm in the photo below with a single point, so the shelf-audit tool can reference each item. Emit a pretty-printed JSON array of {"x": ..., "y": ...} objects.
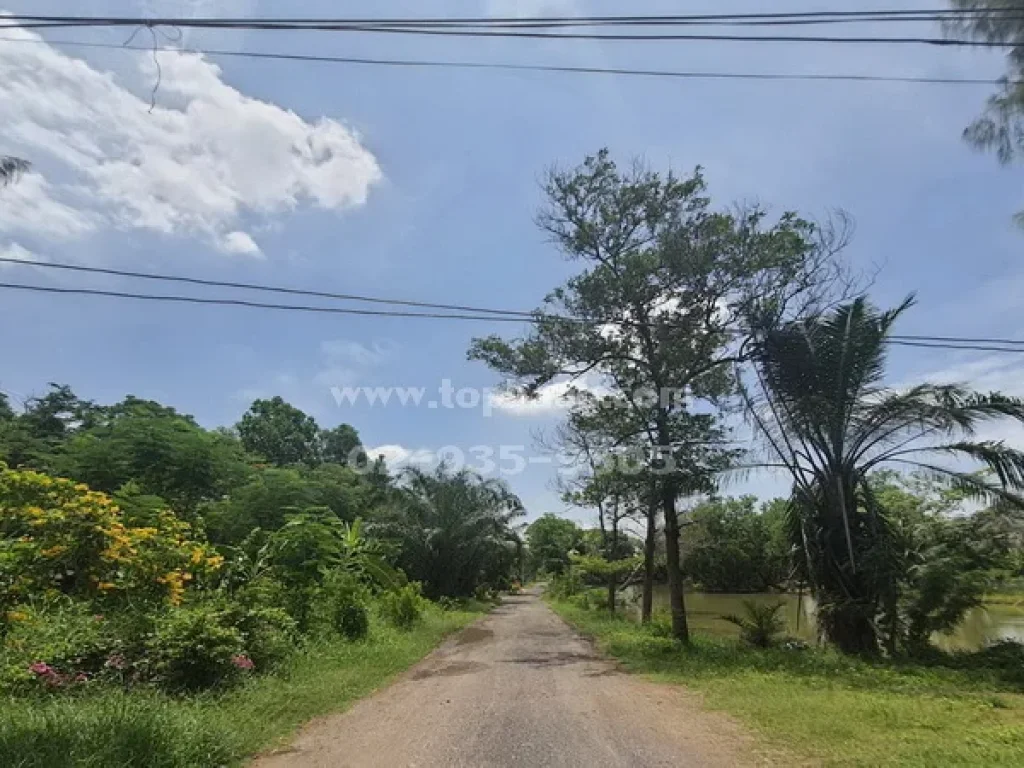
[
  {"x": 828, "y": 419},
  {"x": 11, "y": 168},
  {"x": 454, "y": 530}
]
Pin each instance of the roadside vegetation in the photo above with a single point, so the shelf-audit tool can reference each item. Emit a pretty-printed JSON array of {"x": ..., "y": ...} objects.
[
  {"x": 831, "y": 707},
  {"x": 171, "y": 595},
  {"x": 902, "y": 517}
]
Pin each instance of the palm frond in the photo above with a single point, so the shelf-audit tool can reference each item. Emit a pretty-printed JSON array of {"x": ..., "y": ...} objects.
[{"x": 11, "y": 168}]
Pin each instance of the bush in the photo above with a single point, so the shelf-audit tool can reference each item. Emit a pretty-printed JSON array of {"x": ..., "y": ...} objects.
[
  {"x": 762, "y": 625},
  {"x": 565, "y": 585},
  {"x": 446, "y": 603},
  {"x": 345, "y": 602},
  {"x": 58, "y": 537},
  {"x": 195, "y": 648},
  {"x": 65, "y": 636},
  {"x": 268, "y": 634},
  {"x": 403, "y": 607},
  {"x": 661, "y": 623}
]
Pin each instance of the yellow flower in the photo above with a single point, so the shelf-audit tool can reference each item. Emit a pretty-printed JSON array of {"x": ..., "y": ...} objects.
[
  {"x": 17, "y": 616},
  {"x": 106, "y": 586}
]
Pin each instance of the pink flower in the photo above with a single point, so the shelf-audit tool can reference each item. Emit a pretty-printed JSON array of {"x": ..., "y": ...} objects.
[
  {"x": 115, "y": 661},
  {"x": 42, "y": 669},
  {"x": 242, "y": 661},
  {"x": 81, "y": 677}
]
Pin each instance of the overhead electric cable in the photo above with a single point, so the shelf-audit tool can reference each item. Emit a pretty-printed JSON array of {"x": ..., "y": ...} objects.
[
  {"x": 474, "y": 29},
  {"x": 433, "y": 64}
]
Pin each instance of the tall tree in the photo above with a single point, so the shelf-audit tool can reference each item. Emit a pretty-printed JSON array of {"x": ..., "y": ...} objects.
[
  {"x": 669, "y": 289},
  {"x": 1001, "y": 127},
  {"x": 165, "y": 453},
  {"x": 454, "y": 531},
  {"x": 280, "y": 433},
  {"x": 549, "y": 540},
  {"x": 827, "y": 418},
  {"x": 340, "y": 445}
]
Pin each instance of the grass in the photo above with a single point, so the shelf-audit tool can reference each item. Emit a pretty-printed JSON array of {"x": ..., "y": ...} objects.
[
  {"x": 830, "y": 708},
  {"x": 143, "y": 728}
]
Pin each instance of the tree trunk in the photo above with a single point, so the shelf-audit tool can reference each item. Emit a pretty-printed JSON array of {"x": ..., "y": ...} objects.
[
  {"x": 680, "y": 630},
  {"x": 852, "y": 631},
  {"x": 611, "y": 595},
  {"x": 650, "y": 543}
]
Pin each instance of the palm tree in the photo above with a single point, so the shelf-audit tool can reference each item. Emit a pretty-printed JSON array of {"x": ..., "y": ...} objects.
[
  {"x": 11, "y": 168},
  {"x": 827, "y": 418},
  {"x": 454, "y": 530}
]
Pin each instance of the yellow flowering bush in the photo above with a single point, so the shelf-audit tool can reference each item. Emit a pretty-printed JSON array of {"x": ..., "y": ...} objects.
[{"x": 58, "y": 537}]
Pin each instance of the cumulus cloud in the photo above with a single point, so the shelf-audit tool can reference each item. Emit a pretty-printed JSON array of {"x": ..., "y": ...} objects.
[
  {"x": 240, "y": 243},
  {"x": 398, "y": 456},
  {"x": 204, "y": 157}
]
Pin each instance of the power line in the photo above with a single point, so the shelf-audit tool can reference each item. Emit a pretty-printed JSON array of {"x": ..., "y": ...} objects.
[
  {"x": 968, "y": 347},
  {"x": 789, "y": 17},
  {"x": 252, "y": 304},
  {"x": 907, "y": 341},
  {"x": 965, "y": 340},
  {"x": 477, "y": 312},
  {"x": 476, "y": 30},
  {"x": 433, "y": 64},
  {"x": 256, "y": 287}
]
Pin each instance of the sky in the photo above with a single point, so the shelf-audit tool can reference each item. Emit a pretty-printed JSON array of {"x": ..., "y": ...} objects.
[{"x": 422, "y": 184}]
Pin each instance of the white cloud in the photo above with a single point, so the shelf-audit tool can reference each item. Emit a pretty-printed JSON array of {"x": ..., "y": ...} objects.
[
  {"x": 17, "y": 253},
  {"x": 30, "y": 205},
  {"x": 201, "y": 159},
  {"x": 240, "y": 243},
  {"x": 550, "y": 399},
  {"x": 398, "y": 456}
]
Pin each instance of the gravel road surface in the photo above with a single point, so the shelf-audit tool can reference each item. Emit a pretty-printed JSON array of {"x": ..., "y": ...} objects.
[{"x": 519, "y": 688}]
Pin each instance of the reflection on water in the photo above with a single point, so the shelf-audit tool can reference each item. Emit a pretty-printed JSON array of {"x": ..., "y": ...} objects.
[{"x": 981, "y": 625}]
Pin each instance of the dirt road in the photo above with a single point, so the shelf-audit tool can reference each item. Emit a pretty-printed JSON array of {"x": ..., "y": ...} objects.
[{"x": 520, "y": 689}]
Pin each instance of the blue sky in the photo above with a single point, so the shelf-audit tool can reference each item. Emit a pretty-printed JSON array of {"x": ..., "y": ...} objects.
[{"x": 422, "y": 184}]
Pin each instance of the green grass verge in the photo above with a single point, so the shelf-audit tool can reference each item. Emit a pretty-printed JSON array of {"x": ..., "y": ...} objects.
[
  {"x": 107, "y": 728},
  {"x": 828, "y": 707}
]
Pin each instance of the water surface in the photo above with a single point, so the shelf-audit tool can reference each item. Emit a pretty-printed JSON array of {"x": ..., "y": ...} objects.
[{"x": 989, "y": 623}]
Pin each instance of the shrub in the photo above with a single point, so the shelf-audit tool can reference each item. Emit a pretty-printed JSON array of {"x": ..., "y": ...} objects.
[
  {"x": 565, "y": 585},
  {"x": 403, "y": 607},
  {"x": 345, "y": 603},
  {"x": 57, "y": 537},
  {"x": 63, "y": 636},
  {"x": 268, "y": 634},
  {"x": 195, "y": 648},
  {"x": 762, "y": 625},
  {"x": 446, "y": 603},
  {"x": 661, "y": 623}
]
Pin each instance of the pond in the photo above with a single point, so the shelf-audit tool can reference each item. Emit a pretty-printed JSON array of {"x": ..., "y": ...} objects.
[{"x": 989, "y": 623}]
